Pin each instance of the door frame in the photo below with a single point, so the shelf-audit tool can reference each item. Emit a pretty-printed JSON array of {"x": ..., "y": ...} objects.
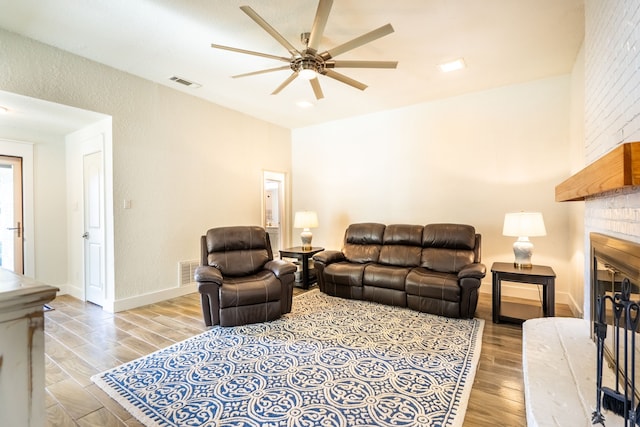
[
  {"x": 14, "y": 165},
  {"x": 283, "y": 204},
  {"x": 76, "y": 147},
  {"x": 25, "y": 151}
]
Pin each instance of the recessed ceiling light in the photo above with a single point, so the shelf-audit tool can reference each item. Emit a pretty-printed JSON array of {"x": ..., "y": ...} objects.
[
  {"x": 458, "y": 64},
  {"x": 4, "y": 110},
  {"x": 304, "y": 104}
]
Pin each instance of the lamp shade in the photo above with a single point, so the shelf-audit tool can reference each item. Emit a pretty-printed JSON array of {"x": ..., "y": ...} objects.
[
  {"x": 521, "y": 224},
  {"x": 305, "y": 219}
]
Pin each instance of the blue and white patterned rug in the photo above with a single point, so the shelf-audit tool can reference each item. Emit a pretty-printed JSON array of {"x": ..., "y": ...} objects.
[{"x": 331, "y": 362}]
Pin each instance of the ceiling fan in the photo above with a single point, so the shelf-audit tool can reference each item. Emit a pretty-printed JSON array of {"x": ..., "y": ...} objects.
[{"x": 308, "y": 63}]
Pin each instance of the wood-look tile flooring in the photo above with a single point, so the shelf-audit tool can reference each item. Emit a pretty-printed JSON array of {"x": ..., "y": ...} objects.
[{"x": 82, "y": 340}]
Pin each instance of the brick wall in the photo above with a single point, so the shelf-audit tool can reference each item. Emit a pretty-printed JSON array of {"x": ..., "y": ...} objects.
[{"x": 612, "y": 106}]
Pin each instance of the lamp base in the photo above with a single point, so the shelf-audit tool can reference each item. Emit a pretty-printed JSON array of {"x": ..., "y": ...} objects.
[
  {"x": 306, "y": 237},
  {"x": 522, "y": 249}
]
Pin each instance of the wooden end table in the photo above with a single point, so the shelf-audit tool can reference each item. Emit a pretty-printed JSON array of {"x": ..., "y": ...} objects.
[
  {"x": 518, "y": 313},
  {"x": 303, "y": 255}
]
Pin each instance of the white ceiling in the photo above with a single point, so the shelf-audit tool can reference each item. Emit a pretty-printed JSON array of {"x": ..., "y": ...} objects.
[
  {"x": 28, "y": 117},
  {"x": 502, "y": 41}
]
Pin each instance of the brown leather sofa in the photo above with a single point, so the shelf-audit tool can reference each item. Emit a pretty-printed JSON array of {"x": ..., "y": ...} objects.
[
  {"x": 238, "y": 279},
  {"x": 434, "y": 268}
]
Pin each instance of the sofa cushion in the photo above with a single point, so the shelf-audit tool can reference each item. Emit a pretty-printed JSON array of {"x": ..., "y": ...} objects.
[
  {"x": 433, "y": 284},
  {"x": 435, "y": 306},
  {"x": 345, "y": 273},
  {"x": 384, "y": 296},
  {"x": 383, "y": 276},
  {"x": 403, "y": 234},
  {"x": 401, "y": 245},
  {"x": 237, "y": 251},
  {"x": 362, "y": 242},
  {"x": 256, "y": 289},
  {"x": 446, "y": 260},
  {"x": 448, "y": 247},
  {"x": 450, "y": 236},
  {"x": 400, "y": 255}
]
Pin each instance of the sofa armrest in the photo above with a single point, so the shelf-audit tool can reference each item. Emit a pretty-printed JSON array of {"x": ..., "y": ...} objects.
[
  {"x": 328, "y": 257},
  {"x": 280, "y": 267},
  {"x": 475, "y": 270},
  {"x": 205, "y": 273},
  {"x": 469, "y": 279}
]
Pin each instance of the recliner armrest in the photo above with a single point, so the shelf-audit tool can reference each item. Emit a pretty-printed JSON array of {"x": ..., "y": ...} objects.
[
  {"x": 205, "y": 273},
  {"x": 475, "y": 270},
  {"x": 280, "y": 267},
  {"x": 328, "y": 257}
]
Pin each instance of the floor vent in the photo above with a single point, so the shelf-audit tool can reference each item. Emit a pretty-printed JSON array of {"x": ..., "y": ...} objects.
[
  {"x": 186, "y": 270},
  {"x": 185, "y": 82}
]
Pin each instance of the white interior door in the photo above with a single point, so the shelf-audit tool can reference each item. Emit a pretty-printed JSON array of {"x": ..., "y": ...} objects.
[
  {"x": 11, "y": 221},
  {"x": 94, "y": 220}
]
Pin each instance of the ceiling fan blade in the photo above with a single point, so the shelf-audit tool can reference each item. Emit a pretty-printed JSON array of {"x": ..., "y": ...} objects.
[
  {"x": 285, "y": 83},
  {"x": 361, "y": 64},
  {"x": 358, "y": 41},
  {"x": 250, "y": 52},
  {"x": 269, "y": 29},
  {"x": 320, "y": 21},
  {"x": 253, "y": 73},
  {"x": 344, "y": 79},
  {"x": 317, "y": 90}
]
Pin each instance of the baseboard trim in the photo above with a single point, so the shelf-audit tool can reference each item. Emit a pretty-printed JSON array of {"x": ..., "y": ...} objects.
[
  {"x": 575, "y": 308},
  {"x": 72, "y": 291},
  {"x": 526, "y": 292},
  {"x": 151, "y": 298},
  {"x": 113, "y": 306}
]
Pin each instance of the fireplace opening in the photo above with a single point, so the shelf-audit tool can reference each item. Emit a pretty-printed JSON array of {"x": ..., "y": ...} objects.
[{"x": 612, "y": 261}]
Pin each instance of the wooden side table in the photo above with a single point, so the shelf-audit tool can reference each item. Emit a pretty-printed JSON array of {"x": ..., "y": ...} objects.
[
  {"x": 537, "y": 275},
  {"x": 303, "y": 256}
]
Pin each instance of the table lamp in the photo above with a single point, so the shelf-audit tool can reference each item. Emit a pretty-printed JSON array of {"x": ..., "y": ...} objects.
[
  {"x": 305, "y": 220},
  {"x": 523, "y": 225}
]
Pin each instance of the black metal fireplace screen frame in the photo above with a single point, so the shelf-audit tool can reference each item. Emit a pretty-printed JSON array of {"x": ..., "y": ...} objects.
[{"x": 612, "y": 261}]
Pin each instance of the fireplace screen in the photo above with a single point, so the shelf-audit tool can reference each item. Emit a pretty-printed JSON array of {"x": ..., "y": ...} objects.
[{"x": 614, "y": 260}]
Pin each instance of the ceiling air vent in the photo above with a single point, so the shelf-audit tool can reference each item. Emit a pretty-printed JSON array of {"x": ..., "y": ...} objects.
[{"x": 185, "y": 82}]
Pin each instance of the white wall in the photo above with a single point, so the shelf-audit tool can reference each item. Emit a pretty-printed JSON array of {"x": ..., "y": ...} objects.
[
  {"x": 576, "y": 162},
  {"x": 185, "y": 164},
  {"x": 50, "y": 213},
  {"x": 468, "y": 159}
]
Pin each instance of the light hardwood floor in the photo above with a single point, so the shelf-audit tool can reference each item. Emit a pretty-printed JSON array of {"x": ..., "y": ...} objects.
[{"x": 82, "y": 340}]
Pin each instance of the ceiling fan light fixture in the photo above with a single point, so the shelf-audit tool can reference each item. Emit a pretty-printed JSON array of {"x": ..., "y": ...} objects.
[
  {"x": 304, "y": 104},
  {"x": 457, "y": 64},
  {"x": 307, "y": 74},
  {"x": 308, "y": 63}
]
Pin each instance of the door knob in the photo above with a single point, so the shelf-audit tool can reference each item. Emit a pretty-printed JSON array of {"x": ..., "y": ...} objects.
[
  {"x": 19, "y": 228},
  {"x": 85, "y": 235}
]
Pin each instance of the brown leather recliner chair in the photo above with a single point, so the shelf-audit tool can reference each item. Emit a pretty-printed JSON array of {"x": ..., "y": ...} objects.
[{"x": 238, "y": 279}]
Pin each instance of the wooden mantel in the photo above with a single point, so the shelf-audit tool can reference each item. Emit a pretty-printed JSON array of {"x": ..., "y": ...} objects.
[{"x": 617, "y": 169}]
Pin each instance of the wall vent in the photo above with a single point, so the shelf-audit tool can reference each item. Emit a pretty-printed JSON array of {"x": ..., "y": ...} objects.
[
  {"x": 186, "y": 270},
  {"x": 185, "y": 82}
]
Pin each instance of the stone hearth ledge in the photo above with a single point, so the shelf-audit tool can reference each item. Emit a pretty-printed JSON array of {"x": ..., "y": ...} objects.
[
  {"x": 22, "y": 371},
  {"x": 559, "y": 368}
]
